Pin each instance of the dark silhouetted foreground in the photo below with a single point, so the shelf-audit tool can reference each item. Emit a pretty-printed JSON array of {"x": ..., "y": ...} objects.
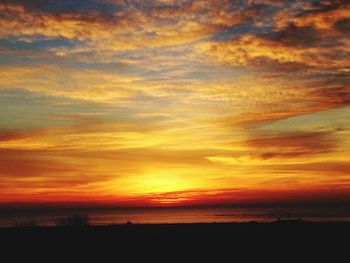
[
  {"x": 75, "y": 220},
  {"x": 291, "y": 238}
]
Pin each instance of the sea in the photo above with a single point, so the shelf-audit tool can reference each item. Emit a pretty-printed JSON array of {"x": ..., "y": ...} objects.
[{"x": 173, "y": 215}]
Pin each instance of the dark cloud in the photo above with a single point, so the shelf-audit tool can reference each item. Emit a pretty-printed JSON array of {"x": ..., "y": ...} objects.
[
  {"x": 318, "y": 7},
  {"x": 16, "y": 165},
  {"x": 333, "y": 95},
  {"x": 294, "y": 144},
  {"x": 9, "y": 136},
  {"x": 335, "y": 167},
  {"x": 273, "y": 68},
  {"x": 343, "y": 25},
  {"x": 66, "y": 6},
  {"x": 296, "y": 36}
]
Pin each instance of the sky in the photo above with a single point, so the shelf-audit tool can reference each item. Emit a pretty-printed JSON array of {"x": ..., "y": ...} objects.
[{"x": 174, "y": 102}]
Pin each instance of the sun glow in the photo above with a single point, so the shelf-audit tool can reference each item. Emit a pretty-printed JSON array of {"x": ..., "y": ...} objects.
[{"x": 163, "y": 181}]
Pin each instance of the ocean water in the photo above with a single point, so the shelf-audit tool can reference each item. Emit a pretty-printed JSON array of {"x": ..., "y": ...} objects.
[{"x": 174, "y": 215}]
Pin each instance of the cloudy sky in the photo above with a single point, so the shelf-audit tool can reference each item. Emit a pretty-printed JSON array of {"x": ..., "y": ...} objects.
[{"x": 181, "y": 102}]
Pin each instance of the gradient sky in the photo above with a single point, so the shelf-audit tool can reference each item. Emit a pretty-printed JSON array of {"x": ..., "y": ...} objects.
[{"x": 165, "y": 102}]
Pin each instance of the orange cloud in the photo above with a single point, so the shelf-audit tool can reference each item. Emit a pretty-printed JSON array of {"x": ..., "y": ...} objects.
[
  {"x": 252, "y": 51},
  {"x": 87, "y": 85}
]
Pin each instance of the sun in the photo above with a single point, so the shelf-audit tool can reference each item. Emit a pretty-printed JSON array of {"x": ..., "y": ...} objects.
[
  {"x": 165, "y": 181},
  {"x": 159, "y": 185}
]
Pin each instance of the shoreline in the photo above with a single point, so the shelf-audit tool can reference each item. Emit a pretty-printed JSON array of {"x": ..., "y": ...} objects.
[{"x": 242, "y": 223}]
